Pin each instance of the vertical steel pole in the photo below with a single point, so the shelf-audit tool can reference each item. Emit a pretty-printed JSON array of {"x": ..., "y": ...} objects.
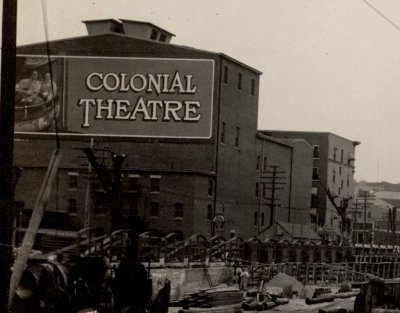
[{"x": 7, "y": 101}]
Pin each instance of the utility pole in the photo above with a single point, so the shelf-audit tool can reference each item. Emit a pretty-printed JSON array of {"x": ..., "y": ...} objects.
[
  {"x": 7, "y": 103},
  {"x": 365, "y": 204},
  {"x": 365, "y": 216},
  {"x": 273, "y": 180}
]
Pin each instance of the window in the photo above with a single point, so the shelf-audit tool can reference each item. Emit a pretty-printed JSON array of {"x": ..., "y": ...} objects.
[
  {"x": 262, "y": 219},
  {"x": 72, "y": 180},
  {"x": 237, "y": 137},
  {"x": 339, "y": 190},
  {"x": 72, "y": 206},
  {"x": 163, "y": 37},
  {"x": 348, "y": 180},
  {"x": 334, "y": 153},
  {"x": 258, "y": 162},
  {"x": 154, "y": 209},
  {"x": 209, "y": 212},
  {"x": 257, "y": 188},
  {"x": 341, "y": 156},
  {"x": 225, "y": 74},
  {"x": 223, "y": 132},
  {"x": 255, "y": 219},
  {"x": 316, "y": 152},
  {"x": 240, "y": 81},
  {"x": 341, "y": 184},
  {"x": 340, "y": 170},
  {"x": 315, "y": 173},
  {"x": 178, "y": 210},
  {"x": 155, "y": 183},
  {"x": 133, "y": 183},
  {"x": 333, "y": 176},
  {"x": 253, "y": 87},
  {"x": 210, "y": 187},
  {"x": 369, "y": 215},
  {"x": 314, "y": 197},
  {"x": 154, "y": 34},
  {"x": 264, "y": 190},
  {"x": 265, "y": 164}
]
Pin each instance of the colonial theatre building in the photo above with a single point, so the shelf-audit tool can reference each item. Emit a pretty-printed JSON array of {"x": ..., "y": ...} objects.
[{"x": 184, "y": 119}]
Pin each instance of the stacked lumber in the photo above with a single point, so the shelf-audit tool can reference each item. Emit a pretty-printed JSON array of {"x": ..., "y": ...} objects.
[
  {"x": 207, "y": 298},
  {"x": 233, "y": 308}
]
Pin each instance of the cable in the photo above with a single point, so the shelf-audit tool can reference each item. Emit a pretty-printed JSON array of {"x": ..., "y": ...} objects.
[
  {"x": 46, "y": 29},
  {"x": 381, "y": 14}
]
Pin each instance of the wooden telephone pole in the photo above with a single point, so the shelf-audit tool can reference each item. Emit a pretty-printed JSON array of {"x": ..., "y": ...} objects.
[
  {"x": 7, "y": 102},
  {"x": 272, "y": 182}
]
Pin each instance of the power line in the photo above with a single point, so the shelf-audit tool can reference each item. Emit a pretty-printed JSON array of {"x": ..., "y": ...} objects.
[{"x": 381, "y": 14}]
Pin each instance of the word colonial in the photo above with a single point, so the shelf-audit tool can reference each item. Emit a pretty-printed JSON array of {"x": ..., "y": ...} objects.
[{"x": 141, "y": 108}]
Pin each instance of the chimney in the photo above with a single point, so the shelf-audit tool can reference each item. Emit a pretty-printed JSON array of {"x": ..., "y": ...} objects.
[
  {"x": 96, "y": 27},
  {"x": 131, "y": 28}
]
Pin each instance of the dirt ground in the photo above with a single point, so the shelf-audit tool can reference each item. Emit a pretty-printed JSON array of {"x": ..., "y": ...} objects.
[{"x": 299, "y": 306}]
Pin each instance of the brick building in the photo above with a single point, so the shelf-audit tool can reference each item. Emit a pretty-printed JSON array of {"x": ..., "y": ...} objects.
[
  {"x": 184, "y": 119},
  {"x": 333, "y": 168}
]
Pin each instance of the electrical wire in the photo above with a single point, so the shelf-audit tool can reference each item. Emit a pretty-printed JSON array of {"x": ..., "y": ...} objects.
[{"x": 381, "y": 14}]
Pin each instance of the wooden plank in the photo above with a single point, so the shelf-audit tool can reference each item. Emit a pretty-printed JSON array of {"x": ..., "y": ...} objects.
[{"x": 34, "y": 223}]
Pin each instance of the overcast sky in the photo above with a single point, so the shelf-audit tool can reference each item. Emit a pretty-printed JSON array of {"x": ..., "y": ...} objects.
[{"x": 328, "y": 65}]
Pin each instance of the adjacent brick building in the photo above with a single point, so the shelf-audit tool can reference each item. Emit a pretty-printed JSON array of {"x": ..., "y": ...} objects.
[{"x": 333, "y": 168}]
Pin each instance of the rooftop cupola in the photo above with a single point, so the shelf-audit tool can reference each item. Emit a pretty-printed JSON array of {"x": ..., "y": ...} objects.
[{"x": 132, "y": 28}]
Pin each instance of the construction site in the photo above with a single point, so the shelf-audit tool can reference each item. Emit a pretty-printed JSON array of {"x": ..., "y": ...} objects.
[{"x": 134, "y": 178}]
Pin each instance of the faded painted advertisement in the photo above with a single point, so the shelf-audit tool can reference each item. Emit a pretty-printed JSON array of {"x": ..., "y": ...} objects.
[{"x": 132, "y": 97}]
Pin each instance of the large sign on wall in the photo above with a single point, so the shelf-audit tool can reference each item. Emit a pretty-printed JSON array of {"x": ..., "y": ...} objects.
[{"x": 123, "y": 97}]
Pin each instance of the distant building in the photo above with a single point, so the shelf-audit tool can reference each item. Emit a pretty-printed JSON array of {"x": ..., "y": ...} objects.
[
  {"x": 375, "y": 186},
  {"x": 333, "y": 168},
  {"x": 290, "y": 190},
  {"x": 375, "y": 206}
]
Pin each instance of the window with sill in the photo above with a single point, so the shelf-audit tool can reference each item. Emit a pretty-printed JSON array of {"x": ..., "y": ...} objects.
[
  {"x": 315, "y": 173},
  {"x": 155, "y": 183},
  {"x": 209, "y": 212},
  {"x": 225, "y": 74},
  {"x": 154, "y": 209},
  {"x": 240, "y": 81},
  {"x": 316, "y": 151},
  {"x": 179, "y": 210},
  {"x": 72, "y": 206},
  {"x": 72, "y": 180},
  {"x": 237, "y": 137},
  {"x": 223, "y": 132},
  {"x": 133, "y": 183},
  {"x": 210, "y": 187},
  {"x": 253, "y": 87}
]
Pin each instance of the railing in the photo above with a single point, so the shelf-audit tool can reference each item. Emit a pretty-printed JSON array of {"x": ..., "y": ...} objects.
[{"x": 311, "y": 273}]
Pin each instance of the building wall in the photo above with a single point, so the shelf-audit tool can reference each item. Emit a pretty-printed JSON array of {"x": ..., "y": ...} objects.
[
  {"x": 185, "y": 165},
  {"x": 301, "y": 188},
  {"x": 273, "y": 153},
  {"x": 236, "y": 165},
  {"x": 341, "y": 166},
  {"x": 325, "y": 163}
]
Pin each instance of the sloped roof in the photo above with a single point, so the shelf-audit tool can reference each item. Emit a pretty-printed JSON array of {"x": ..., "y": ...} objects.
[
  {"x": 387, "y": 195},
  {"x": 116, "y": 44},
  {"x": 299, "y": 231}
]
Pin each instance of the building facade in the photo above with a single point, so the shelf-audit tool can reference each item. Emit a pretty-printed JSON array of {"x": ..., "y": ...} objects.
[
  {"x": 333, "y": 170},
  {"x": 182, "y": 122}
]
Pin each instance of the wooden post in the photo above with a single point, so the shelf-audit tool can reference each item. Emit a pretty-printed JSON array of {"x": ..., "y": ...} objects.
[{"x": 7, "y": 104}]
